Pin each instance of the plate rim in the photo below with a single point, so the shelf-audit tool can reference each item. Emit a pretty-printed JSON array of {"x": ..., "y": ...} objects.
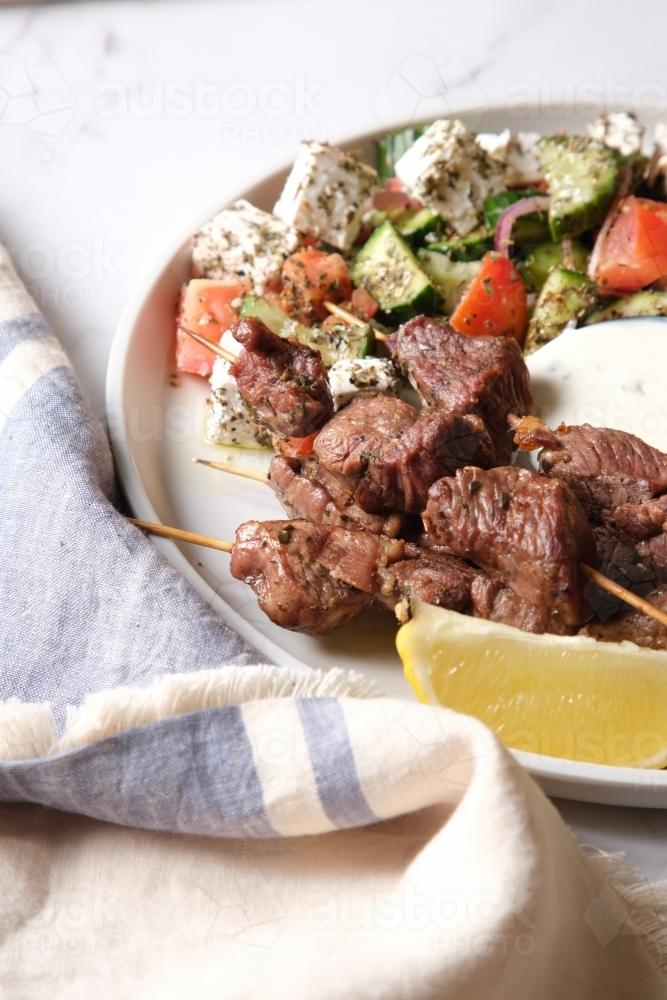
[{"x": 571, "y": 779}]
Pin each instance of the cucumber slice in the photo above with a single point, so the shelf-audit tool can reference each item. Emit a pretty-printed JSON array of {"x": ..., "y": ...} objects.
[
  {"x": 536, "y": 267},
  {"x": 272, "y": 316},
  {"x": 465, "y": 248},
  {"x": 392, "y": 147},
  {"x": 388, "y": 269},
  {"x": 529, "y": 229},
  {"x": 336, "y": 344},
  {"x": 418, "y": 225},
  {"x": 566, "y": 296},
  {"x": 582, "y": 175},
  {"x": 639, "y": 304},
  {"x": 450, "y": 277}
]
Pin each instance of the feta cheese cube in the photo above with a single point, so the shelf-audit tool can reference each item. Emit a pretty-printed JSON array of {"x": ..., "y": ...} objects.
[
  {"x": 517, "y": 154},
  {"x": 324, "y": 194},
  {"x": 244, "y": 241},
  {"x": 619, "y": 130},
  {"x": 347, "y": 378},
  {"x": 450, "y": 173},
  {"x": 228, "y": 421},
  {"x": 657, "y": 171}
]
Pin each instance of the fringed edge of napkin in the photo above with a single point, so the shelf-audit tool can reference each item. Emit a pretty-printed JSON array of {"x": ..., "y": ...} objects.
[
  {"x": 645, "y": 906},
  {"x": 28, "y": 731}
]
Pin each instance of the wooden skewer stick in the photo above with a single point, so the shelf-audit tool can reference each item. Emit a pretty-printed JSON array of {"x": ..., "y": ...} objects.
[
  {"x": 625, "y": 595},
  {"x": 182, "y": 536},
  {"x": 343, "y": 315},
  {"x": 592, "y": 574},
  {"x": 213, "y": 347},
  {"x": 350, "y": 319},
  {"x": 235, "y": 470}
]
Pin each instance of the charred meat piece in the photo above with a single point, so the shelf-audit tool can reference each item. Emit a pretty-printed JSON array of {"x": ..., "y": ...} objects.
[
  {"x": 308, "y": 577},
  {"x": 486, "y": 376},
  {"x": 605, "y": 468},
  {"x": 392, "y": 453},
  {"x": 528, "y": 531},
  {"x": 282, "y": 383},
  {"x": 642, "y": 520},
  {"x": 307, "y": 490},
  {"x": 632, "y": 626},
  {"x": 653, "y": 551},
  {"x": 494, "y": 601},
  {"x": 425, "y": 575},
  {"x": 619, "y": 560}
]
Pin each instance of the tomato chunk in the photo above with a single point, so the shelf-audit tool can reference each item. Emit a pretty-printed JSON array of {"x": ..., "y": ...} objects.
[
  {"x": 292, "y": 447},
  {"x": 363, "y": 304},
  {"x": 634, "y": 252},
  {"x": 310, "y": 278},
  {"x": 205, "y": 308},
  {"x": 495, "y": 301}
]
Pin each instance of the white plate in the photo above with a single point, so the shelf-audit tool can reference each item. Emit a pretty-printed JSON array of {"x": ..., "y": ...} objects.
[{"x": 615, "y": 374}]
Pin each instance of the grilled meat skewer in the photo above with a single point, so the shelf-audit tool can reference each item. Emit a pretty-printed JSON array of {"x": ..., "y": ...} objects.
[
  {"x": 390, "y": 577},
  {"x": 309, "y": 492}
]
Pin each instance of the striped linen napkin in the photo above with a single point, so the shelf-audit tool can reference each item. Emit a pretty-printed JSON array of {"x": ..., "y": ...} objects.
[{"x": 127, "y": 699}]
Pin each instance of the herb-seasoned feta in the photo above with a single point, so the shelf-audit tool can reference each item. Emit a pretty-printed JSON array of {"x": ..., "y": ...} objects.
[
  {"x": 450, "y": 173},
  {"x": 228, "y": 421},
  {"x": 245, "y": 241},
  {"x": 657, "y": 171},
  {"x": 348, "y": 378},
  {"x": 618, "y": 130},
  {"x": 324, "y": 194},
  {"x": 518, "y": 155}
]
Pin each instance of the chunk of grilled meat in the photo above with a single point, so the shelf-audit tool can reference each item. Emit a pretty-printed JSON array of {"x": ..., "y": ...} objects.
[
  {"x": 486, "y": 376},
  {"x": 642, "y": 520},
  {"x": 392, "y": 453},
  {"x": 311, "y": 578},
  {"x": 492, "y": 600},
  {"x": 428, "y": 576},
  {"x": 528, "y": 531},
  {"x": 282, "y": 383},
  {"x": 632, "y": 626},
  {"x": 619, "y": 560},
  {"x": 307, "y": 490},
  {"x": 654, "y": 552},
  {"x": 605, "y": 468}
]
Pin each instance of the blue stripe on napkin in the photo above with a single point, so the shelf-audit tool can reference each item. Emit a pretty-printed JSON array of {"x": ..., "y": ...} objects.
[
  {"x": 331, "y": 756},
  {"x": 14, "y": 331},
  {"x": 192, "y": 773}
]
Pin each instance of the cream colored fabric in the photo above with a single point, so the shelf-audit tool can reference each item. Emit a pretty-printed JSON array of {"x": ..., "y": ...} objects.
[
  {"x": 485, "y": 900},
  {"x": 14, "y": 299}
]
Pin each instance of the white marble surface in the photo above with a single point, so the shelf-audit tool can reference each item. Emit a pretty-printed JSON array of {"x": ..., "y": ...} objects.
[{"x": 120, "y": 120}]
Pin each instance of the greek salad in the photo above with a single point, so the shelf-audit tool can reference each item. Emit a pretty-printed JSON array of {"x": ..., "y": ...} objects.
[{"x": 513, "y": 235}]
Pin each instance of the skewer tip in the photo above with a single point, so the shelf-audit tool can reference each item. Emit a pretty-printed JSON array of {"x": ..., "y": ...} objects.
[{"x": 210, "y": 345}]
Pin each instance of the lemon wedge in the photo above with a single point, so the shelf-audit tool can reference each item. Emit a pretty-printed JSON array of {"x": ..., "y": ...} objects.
[{"x": 569, "y": 697}]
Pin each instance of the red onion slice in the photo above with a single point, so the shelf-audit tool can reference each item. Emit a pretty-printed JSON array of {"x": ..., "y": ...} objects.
[
  {"x": 622, "y": 192},
  {"x": 526, "y": 206}
]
